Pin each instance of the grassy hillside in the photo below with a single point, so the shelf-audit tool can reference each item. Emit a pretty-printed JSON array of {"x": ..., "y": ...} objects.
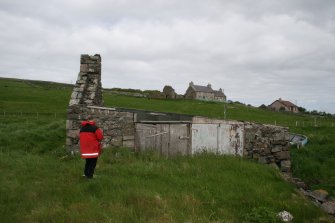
[
  {"x": 33, "y": 96},
  {"x": 40, "y": 182},
  {"x": 234, "y": 111},
  {"x": 315, "y": 164}
]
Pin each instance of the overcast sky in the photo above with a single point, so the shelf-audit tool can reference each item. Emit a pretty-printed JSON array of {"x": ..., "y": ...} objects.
[{"x": 257, "y": 51}]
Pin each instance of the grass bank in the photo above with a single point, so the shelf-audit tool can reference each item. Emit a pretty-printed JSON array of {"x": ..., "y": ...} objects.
[{"x": 41, "y": 183}]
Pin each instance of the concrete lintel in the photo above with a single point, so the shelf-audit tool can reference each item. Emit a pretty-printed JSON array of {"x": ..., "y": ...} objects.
[
  {"x": 165, "y": 122},
  {"x": 103, "y": 108}
]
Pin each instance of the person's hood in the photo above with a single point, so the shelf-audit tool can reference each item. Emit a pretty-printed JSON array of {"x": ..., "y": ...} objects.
[{"x": 87, "y": 123}]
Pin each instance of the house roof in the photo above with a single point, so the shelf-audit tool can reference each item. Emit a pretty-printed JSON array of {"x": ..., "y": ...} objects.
[
  {"x": 207, "y": 89},
  {"x": 218, "y": 94},
  {"x": 199, "y": 88},
  {"x": 285, "y": 103}
]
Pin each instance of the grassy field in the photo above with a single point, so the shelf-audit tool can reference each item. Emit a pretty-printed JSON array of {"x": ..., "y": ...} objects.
[
  {"x": 234, "y": 111},
  {"x": 18, "y": 96},
  {"x": 315, "y": 164},
  {"x": 40, "y": 182}
]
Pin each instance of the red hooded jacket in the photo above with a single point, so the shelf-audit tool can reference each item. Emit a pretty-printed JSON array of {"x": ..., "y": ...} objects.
[{"x": 89, "y": 138}]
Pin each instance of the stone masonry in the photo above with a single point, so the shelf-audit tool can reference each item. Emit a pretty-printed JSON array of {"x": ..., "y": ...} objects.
[
  {"x": 87, "y": 90},
  {"x": 86, "y": 98},
  {"x": 265, "y": 143}
]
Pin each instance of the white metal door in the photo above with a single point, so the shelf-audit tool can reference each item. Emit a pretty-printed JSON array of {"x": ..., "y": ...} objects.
[
  {"x": 230, "y": 139},
  {"x": 204, "y": 138}
]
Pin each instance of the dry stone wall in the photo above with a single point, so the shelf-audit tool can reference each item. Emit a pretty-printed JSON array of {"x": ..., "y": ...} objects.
[
  {"x": 118, "y": 127},
  {"x": 268, "y": 144}
]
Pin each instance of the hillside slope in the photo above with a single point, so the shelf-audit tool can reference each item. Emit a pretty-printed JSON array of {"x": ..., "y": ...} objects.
[{"x": 41, "y": 183}]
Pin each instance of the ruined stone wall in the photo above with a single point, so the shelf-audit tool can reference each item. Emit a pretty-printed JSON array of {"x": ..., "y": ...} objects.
[
  {"x": 88, "y": 90},
  {"x": 118, "y": 127},
  {"x": 169, "y": 92},
  {"x": 86, "y": 98},
  {"x": 268, "y": 144}
]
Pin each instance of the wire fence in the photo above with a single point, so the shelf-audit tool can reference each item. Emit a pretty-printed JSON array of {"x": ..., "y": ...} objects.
[
  {"x": 309, "y": 123},
  {"x": 36, "y": 115},
  {"x": 312, "y": 122}
]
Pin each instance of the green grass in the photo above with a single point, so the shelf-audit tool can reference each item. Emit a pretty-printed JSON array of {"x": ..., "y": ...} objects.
[
  {"x": 40, "y": 182},
  {"x": 315, "y": 163},
  {"x": 234, "y": 111},
  {"x": 31, "y": 97}
]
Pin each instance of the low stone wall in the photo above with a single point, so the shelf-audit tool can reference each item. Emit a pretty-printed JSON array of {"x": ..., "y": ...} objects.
[
  {"x": 118, "y": 126},
  {"x": 268, "y": 144},
  {"x": 132, "y": 94}
]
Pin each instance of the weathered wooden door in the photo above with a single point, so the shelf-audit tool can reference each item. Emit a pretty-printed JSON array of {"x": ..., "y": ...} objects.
[
  {"x": 167, "y": 139},
  {"x": 179, "y": 139},
  {"x": 144, "y": 137}
]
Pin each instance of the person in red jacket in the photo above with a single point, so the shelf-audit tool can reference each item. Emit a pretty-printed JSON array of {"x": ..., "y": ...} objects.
[{"x": 90, "y": 148}]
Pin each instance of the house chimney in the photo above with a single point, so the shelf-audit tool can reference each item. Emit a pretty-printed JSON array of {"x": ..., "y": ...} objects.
[
  {"x": 221, "y": 90},
  {"x": 191, "y": 83},
  {"x": 279, "y": 99},
  {"x": 209, "y": 85}
]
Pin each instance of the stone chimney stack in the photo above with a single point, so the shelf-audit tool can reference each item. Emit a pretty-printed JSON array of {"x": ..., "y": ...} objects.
[
  {"x": 87, "y": 90},
  {"x": 191, "y": 83}
]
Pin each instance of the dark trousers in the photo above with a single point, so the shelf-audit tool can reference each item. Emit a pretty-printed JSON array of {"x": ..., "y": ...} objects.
[{"x": 90, "y": 166}]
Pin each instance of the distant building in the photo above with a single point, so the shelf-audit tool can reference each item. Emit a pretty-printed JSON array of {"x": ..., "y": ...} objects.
[
  {"x": 204, "y": 93},
  {"x": 281, "y": 105},
  {"x": 169, "y": 92},
  {"x": 219, "y": 95}
]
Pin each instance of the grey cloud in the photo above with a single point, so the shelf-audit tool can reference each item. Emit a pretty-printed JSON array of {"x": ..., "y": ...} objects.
[{"x": 257, "y": 52}]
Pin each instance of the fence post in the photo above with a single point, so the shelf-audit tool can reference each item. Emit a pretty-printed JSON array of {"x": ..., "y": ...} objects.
[
  {"x": 296, "y": 123},
  {"x": 224, "y": 111}
]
